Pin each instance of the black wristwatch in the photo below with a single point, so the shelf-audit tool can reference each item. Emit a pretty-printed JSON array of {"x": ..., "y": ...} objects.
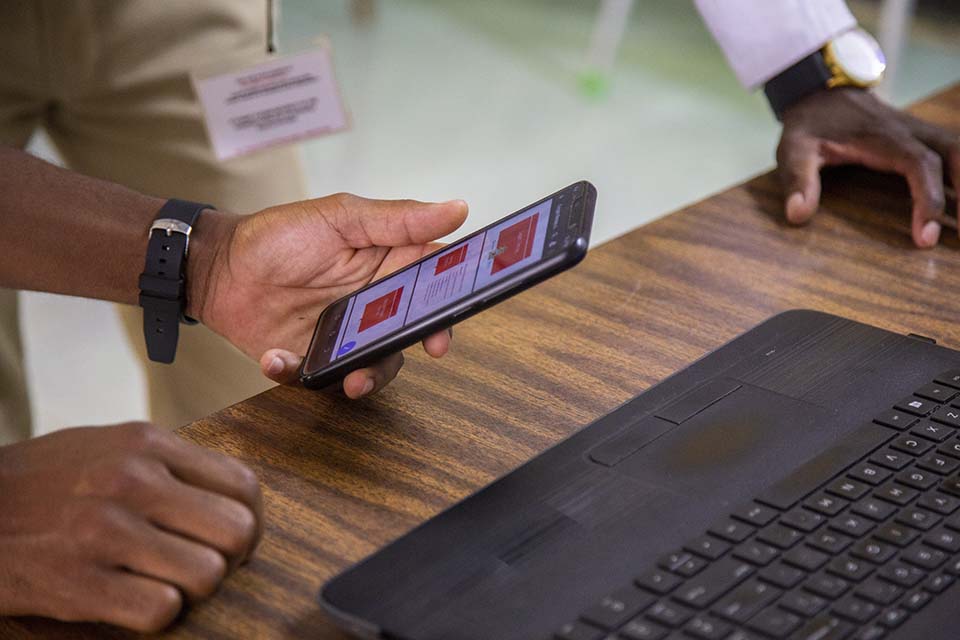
[
  {"x": 162, "y": 283},
  {"x": 852, "y": 59}
]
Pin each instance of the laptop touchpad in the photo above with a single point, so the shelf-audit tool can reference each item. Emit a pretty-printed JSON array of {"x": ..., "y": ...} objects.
[{"x": 736, "y": 445}]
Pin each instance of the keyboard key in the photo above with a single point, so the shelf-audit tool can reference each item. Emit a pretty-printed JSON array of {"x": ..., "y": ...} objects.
[
  {"x": 742, "y": 603},
  {"x": 898, "y": 534},
  {"x": 951, "y": 485},
  {"x": 949, "y": 416},
  {"x": 869, "y": 473},
  {"x": 916, "y": 406},
  {"x": 895, "y": 493},
  {"x": 856, "y": 609},
  {"x": 951, "y": 447},
  {"x": 660, "y": 582},
  {"x": 712, "y": 583},
  {"x": 756, "y": 552},
  {"x": 682, "y": 562},
  {"x": 938, "y": 583},
  {"x": 802, "y": 603},
  {"x": 732, "y": 531},
  {"x": 579, "y": 631},
  {"x": 950, "y": 378},
  {"x": 873, "y": 550},
  {"x": 891, "y": 459},
  {"x": 830, "y": 587},
  {"x": 779, "y": 536},
  {"x": 870, "y": 632},
  {"x": 826, "y": 504},
  {"x": 774, "y": 622},
  {"x": 879, "y": 592},
  {"x": 937, "y": 392},
  {"x": 783, "y": 576},
  {"x": 825, "y": 627},
  {"x": 805, "y": 558},
  {"x": 849, "y": 489},
  {"x": 618, "y": 607},
  {"x": 932, "y": 431},
  {"x": 830, "y": 541},
  {"x": 874, "y": 509},
  {"x": 895, "y": 419},
  {"x": 802, "y": 519},
  {"x": 893, "y": 618},
  {"x": 911, "y": 444},
  {"x": 641, "y": 629},
  {"x": 707, "y": 628},
  {"x": 901, "y": 574},
  {"x": 939, "y": 463},
  {"x": 943, "y": 539},
  {"x": 707, "y": 547},
  {"x": 756, "y": 514},
  {"x": 850, "y": 568},
  {"x": 853, "y": 525},
  {"x": 953, "y": 567},
  {"x": 942, "y": 504},
  {"x": 918, "y": 478},
  {"x": 924, "y": 557},
  {"x": 669, "y": 614},
  {"x": 917, "y": 600},
  {"x": 917, "y": 518}
]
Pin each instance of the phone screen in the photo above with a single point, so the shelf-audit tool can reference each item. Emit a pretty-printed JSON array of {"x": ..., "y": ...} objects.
[{"x": 476, "y": 262}]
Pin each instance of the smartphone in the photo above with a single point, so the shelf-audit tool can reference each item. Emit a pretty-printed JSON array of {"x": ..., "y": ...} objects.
[{"x": 450, "y": 285}]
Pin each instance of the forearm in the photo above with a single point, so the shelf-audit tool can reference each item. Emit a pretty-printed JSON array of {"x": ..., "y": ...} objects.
[{"x": 62, "y": 232}]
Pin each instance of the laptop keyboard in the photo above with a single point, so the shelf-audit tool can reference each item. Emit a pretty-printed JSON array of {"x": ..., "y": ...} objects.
[{"x": 850, "y": 555}]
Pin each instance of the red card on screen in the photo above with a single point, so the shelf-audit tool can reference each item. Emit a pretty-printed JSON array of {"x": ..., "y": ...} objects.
[
  {"x": 378, "y": 310},
  {"x": 515, "y": 243},
  {"x": 450, "y": 260}
]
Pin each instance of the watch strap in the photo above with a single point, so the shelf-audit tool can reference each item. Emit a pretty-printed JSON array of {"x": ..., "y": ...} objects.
[
  {"x": 797, "y": 82},
  {"x": 162, "y": 283}
]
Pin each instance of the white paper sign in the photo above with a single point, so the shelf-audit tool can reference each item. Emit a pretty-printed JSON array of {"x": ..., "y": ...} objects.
[{"x": 276, "y": 102}]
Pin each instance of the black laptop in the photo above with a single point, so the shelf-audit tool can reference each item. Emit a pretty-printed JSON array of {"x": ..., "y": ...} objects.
[{"x": 801, "y": 482}]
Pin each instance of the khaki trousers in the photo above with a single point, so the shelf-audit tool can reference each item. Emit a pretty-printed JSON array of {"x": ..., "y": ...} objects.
[{"x": 108, "y": 80}]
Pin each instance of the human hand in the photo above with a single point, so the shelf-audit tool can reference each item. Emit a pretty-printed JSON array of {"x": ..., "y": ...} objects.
[
  {"x": 117, "y": 524},
  {"x": 265, "y": 278},
  {"x": 851, "y": 126}
]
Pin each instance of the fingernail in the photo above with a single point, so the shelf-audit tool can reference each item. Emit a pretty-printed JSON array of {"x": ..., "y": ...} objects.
[
  {"x": 794, "y": 203},
  {"x": 930, "y": 233},
  {"x": 367, "y": 387},
  {"x": 276, "y": 365}
]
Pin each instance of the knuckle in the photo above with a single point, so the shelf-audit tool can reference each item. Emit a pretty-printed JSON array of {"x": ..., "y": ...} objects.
[
  {"x": 94, "y": 523},
  {"x": 142, "y": 436},
  {"x": 161, "y": 609},
  {"x": 125, "y": 477}
]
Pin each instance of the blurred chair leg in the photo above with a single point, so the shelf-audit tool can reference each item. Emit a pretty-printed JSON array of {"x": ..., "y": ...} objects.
[
  {"x": 608, "y": 30},
  {"x": 363, "y": 11},
  {"x": 896, "y": 17}
]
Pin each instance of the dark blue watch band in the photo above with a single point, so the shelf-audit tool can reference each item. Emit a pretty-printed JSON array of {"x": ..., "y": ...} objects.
[{"x": 162, "y": 283}]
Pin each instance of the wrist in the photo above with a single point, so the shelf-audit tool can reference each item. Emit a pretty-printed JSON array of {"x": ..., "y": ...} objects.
[{"x": 207, "y": 257}]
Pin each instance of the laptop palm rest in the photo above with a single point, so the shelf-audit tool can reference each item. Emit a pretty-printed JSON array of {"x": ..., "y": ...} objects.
[{"x": 734, "y": 447}]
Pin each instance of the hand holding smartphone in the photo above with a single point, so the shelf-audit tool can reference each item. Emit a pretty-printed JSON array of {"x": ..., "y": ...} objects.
[{"x": 450, "y": 285}]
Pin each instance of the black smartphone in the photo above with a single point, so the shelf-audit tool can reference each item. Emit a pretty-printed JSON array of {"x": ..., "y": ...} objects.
[{"x": 450, "y": 285}]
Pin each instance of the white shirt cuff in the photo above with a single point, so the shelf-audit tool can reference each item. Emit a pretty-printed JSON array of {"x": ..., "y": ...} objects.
[{"x": 761, "y": 38}]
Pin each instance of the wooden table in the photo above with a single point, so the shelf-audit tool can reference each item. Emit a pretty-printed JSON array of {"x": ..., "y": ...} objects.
[{"x": 341, "y": 479}]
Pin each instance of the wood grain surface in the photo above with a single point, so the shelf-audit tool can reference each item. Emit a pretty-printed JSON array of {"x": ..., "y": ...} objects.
[{"x": 343, "y": 478}]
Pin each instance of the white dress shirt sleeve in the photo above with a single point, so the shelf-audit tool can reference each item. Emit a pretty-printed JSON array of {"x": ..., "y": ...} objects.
[{"x": 761, "y": 38}]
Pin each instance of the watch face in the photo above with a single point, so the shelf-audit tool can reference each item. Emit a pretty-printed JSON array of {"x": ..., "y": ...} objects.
[{"x": 859, "y": 56}]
